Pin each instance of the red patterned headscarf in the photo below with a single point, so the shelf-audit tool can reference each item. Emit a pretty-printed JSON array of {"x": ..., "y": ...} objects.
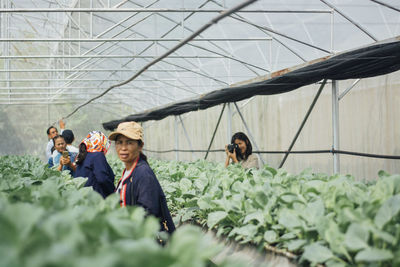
[{"x": 96, "y": 142}]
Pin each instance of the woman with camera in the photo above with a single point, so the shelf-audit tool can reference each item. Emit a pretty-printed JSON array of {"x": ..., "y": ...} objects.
[
  {"x": 61, "y": 157},
  {"x": 92, "y": 163},
  {"x": 240, "y": 151}
]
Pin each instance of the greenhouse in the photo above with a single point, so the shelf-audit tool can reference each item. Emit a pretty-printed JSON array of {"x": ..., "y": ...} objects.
[{"x": 302, "y": 94}]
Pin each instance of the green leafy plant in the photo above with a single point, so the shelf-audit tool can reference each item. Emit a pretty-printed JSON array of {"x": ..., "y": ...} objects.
[
  {"x": 48, "y": 218},
  {"x": 334, "y": 220}
]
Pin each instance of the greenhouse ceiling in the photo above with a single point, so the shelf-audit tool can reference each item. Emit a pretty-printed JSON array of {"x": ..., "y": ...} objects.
[{"x": 147, "y": 54}]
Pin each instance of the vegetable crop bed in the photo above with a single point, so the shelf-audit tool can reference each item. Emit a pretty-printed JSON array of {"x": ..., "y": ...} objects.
[
  {"x": 334, "y": 220},
  {"x": 48, "y": 218}
]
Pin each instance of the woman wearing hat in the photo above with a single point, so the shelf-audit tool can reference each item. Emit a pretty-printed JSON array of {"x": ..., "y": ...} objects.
[
  {"x": 92, "y": 163},
  {"x": 138, "y": 184}
]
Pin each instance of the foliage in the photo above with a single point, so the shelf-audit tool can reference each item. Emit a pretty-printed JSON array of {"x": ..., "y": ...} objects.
[
  {"x": 334, "y": 220},
  {"x": 48, "y": 218}
]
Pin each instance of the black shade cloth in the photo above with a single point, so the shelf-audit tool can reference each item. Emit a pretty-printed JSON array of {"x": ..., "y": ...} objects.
[{"x": 366, "y": 62}]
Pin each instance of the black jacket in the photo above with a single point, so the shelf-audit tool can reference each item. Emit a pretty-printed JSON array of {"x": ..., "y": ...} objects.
[
  {"x": 100, "y": 175},
  {"x": 143, "y": 189}
]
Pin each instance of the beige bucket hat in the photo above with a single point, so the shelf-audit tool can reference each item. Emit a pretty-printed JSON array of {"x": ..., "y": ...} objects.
[{"x": 130, "y": 129}]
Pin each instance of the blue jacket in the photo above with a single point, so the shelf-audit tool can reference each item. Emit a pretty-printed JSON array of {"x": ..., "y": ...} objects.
[
  {"x": 55, "y": 160},
  {"x": 143, "y": 189},
  {"x": 100, "y": 175}
]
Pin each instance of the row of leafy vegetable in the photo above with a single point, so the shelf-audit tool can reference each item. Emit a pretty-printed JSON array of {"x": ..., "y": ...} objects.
[
  {"x": 48, "y": 218},
  {"x": 334, "y": 220}
]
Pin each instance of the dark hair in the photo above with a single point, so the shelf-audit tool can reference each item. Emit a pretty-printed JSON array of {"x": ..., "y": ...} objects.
[
  {"x": 249, "y": 147},
  {"x": 82, "y": 154},
  {"x": 51, "y": 127},
  {"x": 142, "y": 156},
  {"x": 56, "y": 137},
  {"x": 68, "y": 136},
  {"x": 140, "y": 143},
  {"x": 54, "y": 142}
]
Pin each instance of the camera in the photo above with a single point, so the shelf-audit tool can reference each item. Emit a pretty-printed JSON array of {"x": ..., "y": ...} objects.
[
  {"x": 232, "y": 147},
  {"x": 65, "y": 154}
]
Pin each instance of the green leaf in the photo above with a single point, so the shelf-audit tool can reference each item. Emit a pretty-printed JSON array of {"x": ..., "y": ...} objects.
[
  {"x": 295, "y": 245},
  {"x": 383, "y": 235},
  {"x": 356, "y": 237},
  {"x": 204, "y": 202},
  {"x": 289, "y": 219},
  {"x": 189, "y": 245},
  {"x": 248, "y": 230},
  {"x": 185, "y": 185},
  {"x": 288, "y": 236},
  {"x": 215, "y": 217},
  {"x": 258, "y": 216},
  {"x": 201, "y": 183},
  {"x": 373, "y": 255},
  {"x": 317, "y": 253},
  {"x": 271, "y": 170},
  {"x": 387, "y": 211},
  {"x": 271, "y": 236},
  {"x": 313, "y": 211},
  {"x": 23, "y": 216}
]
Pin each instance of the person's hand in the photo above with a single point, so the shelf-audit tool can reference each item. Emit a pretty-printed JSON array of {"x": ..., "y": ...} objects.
[
  {"x": 62, "y": 124},
  {"x": 233, "y": 156},
  {"x": 65, "y": 161},
  {"x": 228, "y": 154}
]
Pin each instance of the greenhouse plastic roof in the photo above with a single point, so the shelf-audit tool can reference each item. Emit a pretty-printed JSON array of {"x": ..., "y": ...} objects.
[
  {"x": 58, "y": 52},
  {"x": 362, "y": 63}
]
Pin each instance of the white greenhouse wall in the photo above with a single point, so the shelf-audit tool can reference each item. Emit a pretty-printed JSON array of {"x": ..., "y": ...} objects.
[{"x": 369, "y": 117}]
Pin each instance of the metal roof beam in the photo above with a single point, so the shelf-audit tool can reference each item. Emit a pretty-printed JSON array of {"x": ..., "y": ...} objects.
[
  {"x": 231, "y": 58},
  {"x": 386, "y": 5},
  {"x": 76, "y": 80},
  {"x": 86, "y": 70},
  {"x": 279, "y": 33},
  {"x": 83, "y": 40},
  {"x": 350, "y": 20},
  {"x": 187, "y": 28},
  {"x": 154, "y": 10},
  {"x": 87, "y": 88},
  {"x": 169, "y": 52},
  {"x": 103, "y": 56},
  {"x": 150, "y": 44},
  {"x": 265, "y": 32}
]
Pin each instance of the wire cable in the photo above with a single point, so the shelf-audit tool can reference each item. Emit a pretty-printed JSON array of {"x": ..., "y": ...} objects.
[{"x": 325, "y": 151}]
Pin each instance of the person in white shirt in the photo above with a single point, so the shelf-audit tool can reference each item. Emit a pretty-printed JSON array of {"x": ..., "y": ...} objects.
[
  {"x": 51, "y": 133},
  {"x": 69, "y": 138}
]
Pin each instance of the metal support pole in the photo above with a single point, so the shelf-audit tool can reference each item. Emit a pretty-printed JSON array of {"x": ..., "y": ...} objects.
[
  {"x": 216, "y": 127},
  {"x": 91, "y": 21},
  {"x": 176, "y": 139},
  {"x": 229, "y": 124},
  {"x": 7, "y": 52},
  {"x": 303, "y": 122},
  {"x": 248, "y": 131},
  {"x": 348, "y": 89},
  {"x": 335, "y": 125},
  {"x": 332, "y": 29},
  {"x": 186, "y": 134}
]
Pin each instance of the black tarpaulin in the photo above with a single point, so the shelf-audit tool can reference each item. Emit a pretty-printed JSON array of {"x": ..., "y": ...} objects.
[{"x": 361, "y": 63}]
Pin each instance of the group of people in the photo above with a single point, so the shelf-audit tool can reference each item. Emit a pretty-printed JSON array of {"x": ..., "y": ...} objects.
[{"x": 138, "y": 185}]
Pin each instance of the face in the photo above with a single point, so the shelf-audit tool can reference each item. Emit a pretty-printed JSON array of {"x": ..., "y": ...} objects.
[
  {"x": 60, "y": 145},
  {"x": 52, "y": 133},
  {"x": 127, "y": 149},
  {"x": 242, "y": 145}
]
